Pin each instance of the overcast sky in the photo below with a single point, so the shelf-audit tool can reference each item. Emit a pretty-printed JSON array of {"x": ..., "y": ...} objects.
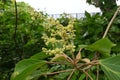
[{"x": 61, "y": 6}]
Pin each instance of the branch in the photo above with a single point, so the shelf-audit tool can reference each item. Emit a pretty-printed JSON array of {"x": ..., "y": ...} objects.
[
  {"x": 16, "y": 17},
  {"x": 97, "y": 72},
  {"x": 110, "y": 23},
  {"x": 71, "y": 75},
  {"x": 87, "y": 74},
  {"x": 90, "y": 64},
  {"x": 15, "y": 33}
]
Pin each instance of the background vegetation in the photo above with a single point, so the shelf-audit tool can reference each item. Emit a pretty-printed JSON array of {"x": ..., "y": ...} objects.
[{"x": 23, "y": 41}]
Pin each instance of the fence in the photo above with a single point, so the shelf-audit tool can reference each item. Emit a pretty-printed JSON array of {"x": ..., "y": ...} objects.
[{"x": 75, "y": 15}]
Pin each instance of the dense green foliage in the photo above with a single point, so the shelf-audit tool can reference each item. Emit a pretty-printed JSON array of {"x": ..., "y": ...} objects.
[
  {"x": 107, "y": 7},
  {"x": 81, "y": 55},
  {"x": 28, "y": 35}
]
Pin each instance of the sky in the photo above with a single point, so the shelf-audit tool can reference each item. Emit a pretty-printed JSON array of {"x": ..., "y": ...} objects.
[{"x": 62, "y": 6}]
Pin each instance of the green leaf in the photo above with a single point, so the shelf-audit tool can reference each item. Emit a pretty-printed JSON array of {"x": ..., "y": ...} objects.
[
  {"x": 54, "y": 68},
  {"x": 38, "y": 73},
  {"x": 62, "y": 76},
  {"x": 82, "y": 77},
  {"x": 87, "y": 14},
  {"x": 25, "y": 68},
  {"x": 103, "y": 46},
  {"x": 59, "y": 57},
  {"x": 82, "y": 46},
  {"x": 75, "y": 75},
  {"x": 40, "y": 56},
  {"x": 111, "y": 67}
]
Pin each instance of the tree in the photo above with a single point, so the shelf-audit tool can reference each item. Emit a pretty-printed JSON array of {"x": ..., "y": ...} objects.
[
  {"x": 28, "y": 35},
  {"x": 107, "y": 7}
]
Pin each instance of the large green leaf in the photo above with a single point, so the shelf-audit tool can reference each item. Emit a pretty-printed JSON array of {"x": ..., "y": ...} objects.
[
  {"x": 40, "y": 56},
  {"x": 38, "y": 73},
  {"x": 103, "y": 46},
  {"x": 111, "y": 67},
  {"x": 26, "y": 67}
]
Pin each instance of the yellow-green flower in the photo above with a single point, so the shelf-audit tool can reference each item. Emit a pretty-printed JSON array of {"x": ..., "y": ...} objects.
[{"x": 61, "y": 38}]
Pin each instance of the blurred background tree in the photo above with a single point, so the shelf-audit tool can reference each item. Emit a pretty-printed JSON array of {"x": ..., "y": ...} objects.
[
  {"x": 28, "y": 35},
  {"x": 107, "y": 7}
]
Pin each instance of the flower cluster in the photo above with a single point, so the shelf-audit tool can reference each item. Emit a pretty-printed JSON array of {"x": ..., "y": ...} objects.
[{"x": 58, "y": 38}]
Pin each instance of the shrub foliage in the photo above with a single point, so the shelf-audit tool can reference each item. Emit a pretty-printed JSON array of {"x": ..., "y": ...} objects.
[{"x": 57, "y": 49}]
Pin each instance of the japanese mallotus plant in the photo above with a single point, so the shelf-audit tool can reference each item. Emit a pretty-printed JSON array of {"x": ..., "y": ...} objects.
[{"x": 60, "y": 60}]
